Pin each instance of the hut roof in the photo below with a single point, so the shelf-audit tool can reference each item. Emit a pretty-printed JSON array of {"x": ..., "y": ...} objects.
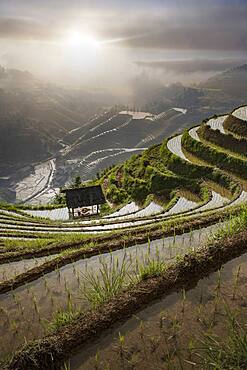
[{"x": 83, "y": 197}]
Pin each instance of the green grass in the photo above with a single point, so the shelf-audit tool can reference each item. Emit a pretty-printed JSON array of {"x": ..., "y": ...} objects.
[
  {"x": 111, "y": 279},
  {"x": 19, "y": 207},
  {"x": 71, "y": 251},
  {"x": 214, "y": 157},
  {"x": 233, "y": 226},
  {"x": 158, "y": 172},
  {"x": 62, "y": 318},
  {"x": 10, "y": 244},
  {"x": 228, "y": 353},
  {"x": 40, "y": 243},
  {"x": 151, "y": 269},
  {"x": 224, "y": 142},
  {"x": 114, "y": 277}
]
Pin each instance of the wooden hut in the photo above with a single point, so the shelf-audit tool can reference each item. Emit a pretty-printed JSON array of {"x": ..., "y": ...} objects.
[{"x": 84, "y": 197}]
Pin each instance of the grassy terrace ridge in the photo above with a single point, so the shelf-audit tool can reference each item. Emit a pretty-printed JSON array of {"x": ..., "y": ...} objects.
[
  {"x": 22, "y": 207},
  {"x": 228, "y": 142},
  {"x": 219, "y": 159},
  {"x": 109, "y": 221},
  {"x": 201, "y": 173},
  {"x": 206, "y": 195},
  {"x": 73, "y": 238},
  {"x": 22, "y": 216},
  {"x": 158, "y": 172},
  {"x": 71, "y": 252},
  {"x": 142, "y": 176},
  {"x": 156, "y": 281},
  {"x": 235, "y": 125}
]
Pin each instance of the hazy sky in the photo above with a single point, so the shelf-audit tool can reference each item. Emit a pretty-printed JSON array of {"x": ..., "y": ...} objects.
[{"x": 102, "y": 43}]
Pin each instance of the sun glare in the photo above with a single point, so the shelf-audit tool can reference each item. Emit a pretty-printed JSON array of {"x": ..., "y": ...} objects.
[{"x": 76, "y": 38}]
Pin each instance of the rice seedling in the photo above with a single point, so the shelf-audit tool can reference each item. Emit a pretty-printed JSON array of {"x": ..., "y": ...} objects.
[
  {"x": 45, "y": 284},
  {"x": 35, "y": 304},
  {"x": 142, "y": 337},
  {"x": 161, "y": 319},
  {"x": 66, "y": 366},
  {"x": 116, "y": 275},
  {"x": 150, "y": 268},
  {"x": 96, "y": 359},
  {"x": 154, "y": 343},
  {"x": 69, "y": 300},
  {"x": 236, "y": 281},
  {"x": 6, "y": 313},
  {"x": 183, "y": 300},
  {"x": 61, "y": 318},
  {"x": 149, "y": 245},
  {"x": 14, "y": 327},
  {"x": 110, "y": 280},
  {"x": 121, "y": 340},
  {"x": 218, "y": 285},
  {"x": 228, "y": 353},
  {"x": 174, "y": 234},
  {"x": 234, "y": 225}
]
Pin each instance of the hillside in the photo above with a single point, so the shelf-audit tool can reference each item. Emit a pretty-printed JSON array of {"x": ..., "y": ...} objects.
[
  {"x": 164, "y": 168},
  {"x": 36, "y": 116},
  {"x": 232, "y": 82},
  {"x": 83, "y": 132},
  {"x": 176, "y": 214},
  {"x": 111, "y": 138}
]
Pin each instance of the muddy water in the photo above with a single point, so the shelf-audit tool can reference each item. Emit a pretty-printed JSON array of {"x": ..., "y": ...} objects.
[
  {"x": 12, "y": 269},
  {"x": 147, "y": 335},
  {"x": 26, "y": 311}
]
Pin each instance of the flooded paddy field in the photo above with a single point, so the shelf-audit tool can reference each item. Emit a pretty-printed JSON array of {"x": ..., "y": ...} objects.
[
  {"x": 27, "y": 310},
  {"x": 71, "y": 299},
  {"x": 37, "y": 183},
  {"x": 177, "y": 331},
  {"x": 12, "y": 269}
]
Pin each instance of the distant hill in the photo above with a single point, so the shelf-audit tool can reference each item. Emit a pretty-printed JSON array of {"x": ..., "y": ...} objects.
[
  {"x": 233, "y": 82},
  {"x": 83, "y": 129},
  {"x": 36, "y": 116}
]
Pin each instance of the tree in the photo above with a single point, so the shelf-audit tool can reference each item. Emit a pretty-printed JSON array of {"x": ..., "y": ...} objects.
[{"x": 77, "y": 182}]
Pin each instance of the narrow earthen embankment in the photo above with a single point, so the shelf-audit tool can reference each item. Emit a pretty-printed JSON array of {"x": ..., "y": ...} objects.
[{"x": 106, "y": 245}]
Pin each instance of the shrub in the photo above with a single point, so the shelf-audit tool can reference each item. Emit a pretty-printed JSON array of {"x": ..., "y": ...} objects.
[
  {"x": 140, "y": 190},
  {"x": 235, "y": 125},
  {"x": 227, "y": 141},
  {"x": 214, "y": 157}
]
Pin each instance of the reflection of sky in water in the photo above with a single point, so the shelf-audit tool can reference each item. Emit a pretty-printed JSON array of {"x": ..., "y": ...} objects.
[
  {"x": 203, "y": 292},
  {"x": 54, "y": 290}
]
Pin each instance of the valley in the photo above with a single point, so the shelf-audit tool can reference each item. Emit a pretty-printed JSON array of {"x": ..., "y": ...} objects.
[{"x": 84, "y": 133}]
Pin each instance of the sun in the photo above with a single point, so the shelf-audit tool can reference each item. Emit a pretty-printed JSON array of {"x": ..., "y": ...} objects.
[{"x": 75, "y": 38}]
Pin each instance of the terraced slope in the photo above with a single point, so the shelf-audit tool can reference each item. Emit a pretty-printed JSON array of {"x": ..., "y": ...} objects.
[
  {"x": 176, "y": 182},
  {"x": 167, "y": 201},
  {"x": 235, "y": 123}
]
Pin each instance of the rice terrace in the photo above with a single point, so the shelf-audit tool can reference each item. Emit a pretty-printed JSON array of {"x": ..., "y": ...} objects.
[
  {"x": 123, "y": 185},
  {"x": 156, "y": 280}
]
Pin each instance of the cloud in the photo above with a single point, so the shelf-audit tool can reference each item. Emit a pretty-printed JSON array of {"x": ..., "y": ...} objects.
[
  {"x": 219, "y": 25},
  {"x": 138, "y": 35},
  {"x": 191, "y": 66},
  {"x": 21, "y": 28},
  {"x": 218, "y": 29}
]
